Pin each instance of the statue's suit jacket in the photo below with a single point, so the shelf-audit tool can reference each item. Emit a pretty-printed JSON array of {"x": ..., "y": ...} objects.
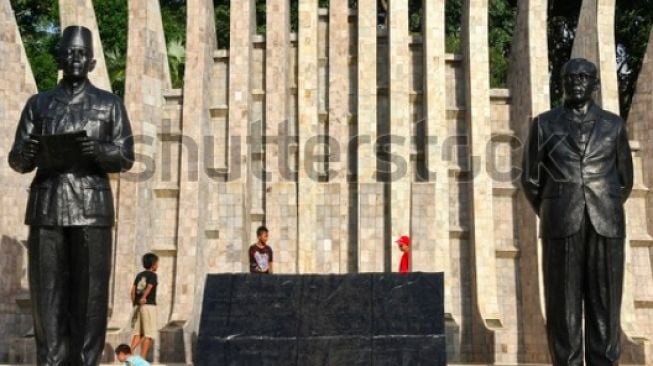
[
  {"x": 561, "y": 181},
  {"x": 75, "y": 197}
]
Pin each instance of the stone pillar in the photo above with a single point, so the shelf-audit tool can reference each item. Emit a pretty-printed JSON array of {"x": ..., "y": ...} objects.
[
  {"x": 200, "y": 43},
  {"x": 241, "y": 30},
  {"x": 281, "y": 195},
  {"x": 640, "y": 121},
  {"x": 400, "y": 126},
  {"x": 81, "y": 12},
  {"x": 435, "y": 256},
  {"x": 638, "y": 279},
  {"x": 528, "y": 82},
  {"x": 147, "y": 79},
  {"x": 638, "y": 283},
  {"x": 339, "y": 129},
  {"x": 370, "y": 192},
  {"x": 595, "y": 42},
  {"x": 307, "y": 101},
  {"x": 16, "y": 86},
  {"x": 477, "y": 96}
]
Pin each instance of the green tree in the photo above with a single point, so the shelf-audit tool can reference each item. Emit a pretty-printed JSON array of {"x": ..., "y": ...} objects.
[
  {"x": 173, "y": 13},
  {"x": 112, "y": 20},
  {"x": 453, "y": 17},
  {"x": 501, "y": 23},
  {"x": 501, "y": 19},
  {"x": 221, "y": 8},
  {"x": 633, "y": 20},
  {"x": 39, "y": 26},
  {"x": 116, "y": 67},
  {"x": 177, "y": 61},
  {"x": 38, "y": 22},
  {"x": 562, "y": 23}
]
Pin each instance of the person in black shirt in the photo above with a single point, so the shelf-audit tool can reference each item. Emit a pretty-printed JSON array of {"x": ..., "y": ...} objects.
[
  {"x": 143, "y": 296},
  {"x": 260, "y": 254}
]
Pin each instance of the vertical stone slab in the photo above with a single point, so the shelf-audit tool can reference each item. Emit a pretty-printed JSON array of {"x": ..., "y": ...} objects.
[
  {"x": 638, "y": 278},
  {"x": 226, "y": 254},
  {"x": 307, "y": 101},
  {"x": 242, "y": 25},
  {"x": 477, "y": 97},
  {"x": 200, "y": 43},
  {"x": 640, "y": 120},
  {"x": 281, "y": 196},
  {"x": 16, "y": 86},
  {"x": 435, "y": 256},
  {"x": 81, "y": 12},
  {"x": 370, "y": 192},
  {"x": 147, "y": 79},
  {"x": 638, "y": 285},
  {"x": 528, "y": 78},
  {"x": 595, "y": 42},
  {"x": 400, "y": 127},
  {"x": 339, "y": 124}
]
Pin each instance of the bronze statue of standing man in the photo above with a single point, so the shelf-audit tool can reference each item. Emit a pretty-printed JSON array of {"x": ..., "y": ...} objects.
[
  {"x": 577, "y": 174},
  {"x": 70, "y": 208}
]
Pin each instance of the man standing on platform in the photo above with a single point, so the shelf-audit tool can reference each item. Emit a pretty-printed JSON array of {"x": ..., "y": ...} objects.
[
  {"x": 70, "y": 209},
  {"x": 577, "y": 174}
]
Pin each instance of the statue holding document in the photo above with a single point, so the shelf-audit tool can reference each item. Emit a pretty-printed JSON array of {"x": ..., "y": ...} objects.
[{"x": 73, "y": 135}]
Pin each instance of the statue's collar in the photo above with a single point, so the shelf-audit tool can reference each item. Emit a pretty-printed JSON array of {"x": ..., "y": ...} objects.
[
  {"x": 63, "y": 95},
  {"x": 591, "y": 115}
]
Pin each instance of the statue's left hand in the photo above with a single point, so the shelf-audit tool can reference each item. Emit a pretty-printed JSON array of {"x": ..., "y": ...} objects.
[{"x": 90, "y": 148}]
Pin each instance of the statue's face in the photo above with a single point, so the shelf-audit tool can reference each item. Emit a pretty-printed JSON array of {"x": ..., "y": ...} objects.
[
  {"x": 76, "y": 60},
  {"x": 579, "y": 82}
]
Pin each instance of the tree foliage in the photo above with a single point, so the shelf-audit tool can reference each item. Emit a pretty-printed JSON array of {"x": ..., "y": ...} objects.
[
  {"x": 38, "y": 22},
  {"x": 39, "y": 25},
  {"x": 173, "y": 13},
  {"x": 561, "y": 32},
  {"x": 112, "y": 20},
  {"x": 634, "y": 18}
]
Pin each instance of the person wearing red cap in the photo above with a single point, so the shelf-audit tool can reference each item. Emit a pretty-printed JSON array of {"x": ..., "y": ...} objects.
[{"x": 404, "y": 246}]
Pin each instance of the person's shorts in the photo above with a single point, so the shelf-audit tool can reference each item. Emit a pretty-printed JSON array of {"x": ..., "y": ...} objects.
[{"x": 145, "y": 321}]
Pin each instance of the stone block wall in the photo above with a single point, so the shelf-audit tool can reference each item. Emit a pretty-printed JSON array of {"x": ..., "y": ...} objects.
[
  {"x": 270, "y": 103},
  {"x": 16, "y": 86}
]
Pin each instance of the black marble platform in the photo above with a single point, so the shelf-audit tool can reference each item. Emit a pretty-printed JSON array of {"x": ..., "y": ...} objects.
[{"x": 323, "y": 320}]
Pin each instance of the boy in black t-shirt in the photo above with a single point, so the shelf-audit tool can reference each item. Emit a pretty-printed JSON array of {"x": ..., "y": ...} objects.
[
  {"x": 143, "y": 296},
  {"x": 260, "y": 254}
]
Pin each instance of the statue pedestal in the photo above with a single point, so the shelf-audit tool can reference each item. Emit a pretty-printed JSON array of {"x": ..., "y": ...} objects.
[
  {"x": 355, "y": 319},
  {"x": 23, "y": 351}
]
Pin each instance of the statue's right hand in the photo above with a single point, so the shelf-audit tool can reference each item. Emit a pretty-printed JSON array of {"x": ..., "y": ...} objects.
[{"x": 30, "y": 149}]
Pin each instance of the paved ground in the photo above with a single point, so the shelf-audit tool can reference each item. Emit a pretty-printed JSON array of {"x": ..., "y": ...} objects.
[{"x": 179, "y": 364}]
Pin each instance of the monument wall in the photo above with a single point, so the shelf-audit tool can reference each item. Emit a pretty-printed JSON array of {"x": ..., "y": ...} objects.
[{"x": 268, "y": 101}]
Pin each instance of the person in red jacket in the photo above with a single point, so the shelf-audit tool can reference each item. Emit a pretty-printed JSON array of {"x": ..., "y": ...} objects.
[{"x": 404, "y": 246}]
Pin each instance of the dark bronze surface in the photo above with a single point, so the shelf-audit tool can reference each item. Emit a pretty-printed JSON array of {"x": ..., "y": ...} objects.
[
  {"x": 577, "y": 174},
  {"x": 70, "y": 209},
  {"x": 381, "y": 319}
]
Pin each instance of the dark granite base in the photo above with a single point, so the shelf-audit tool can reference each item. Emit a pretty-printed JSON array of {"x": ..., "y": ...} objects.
[{"x": 323, "y": 320}]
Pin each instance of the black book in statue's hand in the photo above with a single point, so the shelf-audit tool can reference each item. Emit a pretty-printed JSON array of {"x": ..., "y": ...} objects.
[{"x": 61, "y": 151}]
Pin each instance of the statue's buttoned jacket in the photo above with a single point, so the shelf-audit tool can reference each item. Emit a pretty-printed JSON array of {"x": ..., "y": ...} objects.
[
  {"x": 563, "y": 176},
  {"x": 76, "y": 196}
]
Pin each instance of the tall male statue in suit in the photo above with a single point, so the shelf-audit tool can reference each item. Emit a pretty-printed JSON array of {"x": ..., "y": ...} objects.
[
  {"x": 70, "y": 208},
  {"x": 577, "y": 174}
]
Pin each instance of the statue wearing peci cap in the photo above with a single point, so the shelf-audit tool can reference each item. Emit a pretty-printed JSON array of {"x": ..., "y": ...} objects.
[{"x": 70, "y": 209}]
